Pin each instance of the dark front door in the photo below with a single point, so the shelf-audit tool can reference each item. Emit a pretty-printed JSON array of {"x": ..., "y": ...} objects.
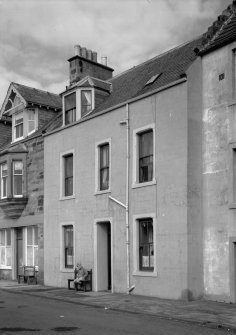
[{"x": 19, "y": 250}]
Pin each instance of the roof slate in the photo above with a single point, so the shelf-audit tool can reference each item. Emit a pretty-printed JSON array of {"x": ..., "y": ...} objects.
[
  {"x": 225, "y": 35},
  {"x": 171, "y": 64},
  {"x": 39, "y": 97}
]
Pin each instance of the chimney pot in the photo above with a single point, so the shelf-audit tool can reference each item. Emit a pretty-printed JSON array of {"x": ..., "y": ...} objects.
[
  {"x": 104, "y": 60},
  {"x": 94, "y": 56},
  {"x": 84, "y": 52},
  {"x": 77, "y": 50},
  {"x": 89, "y": 54}
]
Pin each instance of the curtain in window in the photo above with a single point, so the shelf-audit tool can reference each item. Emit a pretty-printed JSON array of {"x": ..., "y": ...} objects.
[
  {"x": 146, "y": 247},
  {"x": 5, "y": 247},
  {"x": 104, "y": 167},
  {"x": 70, "y": 108},
  {"x": 32, "y": 245},
  {"x": 86, "y": 102},
  {"x": 68, "y": 244},
  {"x": 31, "y": 121},
  {"x": 146, "y": 156},
  {"x": 68, "y": 160},
  {"x": 19, "y": 125}
]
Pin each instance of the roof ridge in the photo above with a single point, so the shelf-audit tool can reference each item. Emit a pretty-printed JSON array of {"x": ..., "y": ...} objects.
[
  {"x": 37, "y": 89},
  {"x": 158, "y": 56}
]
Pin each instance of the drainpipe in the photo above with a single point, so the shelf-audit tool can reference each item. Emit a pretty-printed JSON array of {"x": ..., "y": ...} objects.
[
  {"x": 126, "y": 205},
  {"x": 127, "y": 199}
]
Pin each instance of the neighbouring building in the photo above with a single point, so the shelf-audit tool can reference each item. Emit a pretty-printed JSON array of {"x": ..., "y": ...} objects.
[{"x": 25, "y": 115}]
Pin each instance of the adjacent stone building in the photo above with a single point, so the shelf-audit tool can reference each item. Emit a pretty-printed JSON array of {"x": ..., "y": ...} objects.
[{"x": 26, "y": 113}]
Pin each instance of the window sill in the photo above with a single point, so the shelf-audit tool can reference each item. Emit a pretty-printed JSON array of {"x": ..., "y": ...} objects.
[
  {"x": 145, "y": 273},
  {"x": 67, "y": 198},
  {"x": 102, "y": 192},
  {"x": 17, "y": 139},
  {"x": 149, "y": 183},
  {"x": 5, "y": 267},
  {"x": 71, "y": 270}
]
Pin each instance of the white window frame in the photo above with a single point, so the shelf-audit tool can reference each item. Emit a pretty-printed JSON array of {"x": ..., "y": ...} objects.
[
  {"x": 62, "y": 174},
  {"x": 29, "y": 120},
  {"x": 136, "y": 270},
  {"x": 13, "y": 179},
  {"x": 4, "y": 231},
  {"x": 78, "y": 103},
  {"x": 97, "y": 166},
  {"x": 30, "y": 245},
  {"x": 15, "y": 117},
  {"x": 62, "y": 246},
  {"x": 6, "y": 177},
  {"x": 136, "y": 133}
]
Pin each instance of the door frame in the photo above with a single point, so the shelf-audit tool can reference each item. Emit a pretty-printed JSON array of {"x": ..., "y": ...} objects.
[
  {"x": 96, "y": 223},
  {"x": 232, "y": 268}
]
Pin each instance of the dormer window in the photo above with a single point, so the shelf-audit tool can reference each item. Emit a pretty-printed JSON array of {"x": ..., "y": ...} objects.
[
  {"x": 78, "y": 104},
  {"x": 70, "y": 108},
  {"x": 19, "y": 130},
  {"x": 86, "y": 102}
]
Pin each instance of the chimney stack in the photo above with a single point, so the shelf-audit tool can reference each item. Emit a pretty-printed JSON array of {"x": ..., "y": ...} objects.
[{"x": 84, "y": 63}]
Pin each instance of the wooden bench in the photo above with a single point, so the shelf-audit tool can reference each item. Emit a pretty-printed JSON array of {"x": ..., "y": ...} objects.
[
  {"x": 28, "y": 274},
  {"x": 86, "y": 283}
]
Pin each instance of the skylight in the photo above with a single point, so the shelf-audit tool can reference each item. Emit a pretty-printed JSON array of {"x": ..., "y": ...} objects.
[{"x": 152, "y": 79}]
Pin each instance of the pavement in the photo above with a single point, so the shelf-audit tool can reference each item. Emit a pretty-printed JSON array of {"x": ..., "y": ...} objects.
[{"x": 217, "y": 315}]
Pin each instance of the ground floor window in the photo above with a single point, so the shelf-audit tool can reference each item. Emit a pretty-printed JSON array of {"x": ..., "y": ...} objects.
[
  {"x": 146, "y": 246},
  {"x": 68, "y": 246},
  {"x": 32, "y": 246},
  {"x": 5, "y": 248}
]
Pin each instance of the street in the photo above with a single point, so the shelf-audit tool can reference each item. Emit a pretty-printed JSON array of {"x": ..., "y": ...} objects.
[{"x": 26, "y": 314}]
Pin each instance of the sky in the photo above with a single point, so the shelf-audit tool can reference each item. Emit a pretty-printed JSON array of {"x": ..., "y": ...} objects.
[{"x": 37, "y": 37}]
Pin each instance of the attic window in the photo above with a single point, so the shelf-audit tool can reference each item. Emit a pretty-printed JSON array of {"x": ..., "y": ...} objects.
[{"x": 152, "y": 79}]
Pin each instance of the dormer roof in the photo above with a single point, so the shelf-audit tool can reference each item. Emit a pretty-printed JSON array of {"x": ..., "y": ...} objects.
[
  {"x": 25, "y": 96},
  {"x": 91, "y": 82}
]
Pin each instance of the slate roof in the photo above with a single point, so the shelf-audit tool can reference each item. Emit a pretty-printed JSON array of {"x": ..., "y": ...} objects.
[
  {"x": 39, "y": 97},
  {"x": 225, "y": 34},
  {"x": 171, "y": 66},
  {"x": 5, "y": 133}
]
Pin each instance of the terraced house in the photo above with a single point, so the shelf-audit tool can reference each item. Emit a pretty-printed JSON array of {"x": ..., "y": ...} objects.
[
  {"x": 25, "y": 115},
  {"x": 142, "y": 189}
]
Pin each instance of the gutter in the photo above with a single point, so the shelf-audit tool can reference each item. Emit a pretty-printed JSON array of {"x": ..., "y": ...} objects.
[{"x": 122, "y": 104}]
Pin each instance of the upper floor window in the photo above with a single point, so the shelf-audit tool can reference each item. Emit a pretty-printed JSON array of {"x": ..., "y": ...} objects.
[
  {"x": 5, "y": 248},
  {"x": 68, "y": 161},
  {"x": 19, "y": 128},
  {"x": 17, "y": 178},
  {"x": 70, "y": 108},
  {"x": 86, "y": 102},
  {"x": 4, "y": 176},
  {"x": 145, "y": 156},
  {"x": 104, "y": 166}
]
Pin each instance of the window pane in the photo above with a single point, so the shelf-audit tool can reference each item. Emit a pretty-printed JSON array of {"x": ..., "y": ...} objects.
[
  {"x": 68, "y": 245},
  {"x": 146, "y": 156},
  {"x": 18, "y": 167},
  {"x": 3, "y": 255},
  {"x": 17, "y": 185},
  {"x": 70, "y": 116},
  {"x": 8, "y": 256},
  {"x": 104, "y": 155},
  {"x": 68, "y": 175},
  {"x": 29, "y": 236},
  {"x": 3, "y": 237},
  {"x": 4, "y": 170},
  {"x": 31, "y": 120},
  {"x": 86, "y": 102},
  {"x": 35, "y": 235},
  {"x": 8, "y": 233},
  {"x": 104, "y": 179},
  {"x": 30, "y": 255},
  {"x": 146, "y": 247},
  {"x": 70, "y": 101},
  {"x": 36, "y": 256}
]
